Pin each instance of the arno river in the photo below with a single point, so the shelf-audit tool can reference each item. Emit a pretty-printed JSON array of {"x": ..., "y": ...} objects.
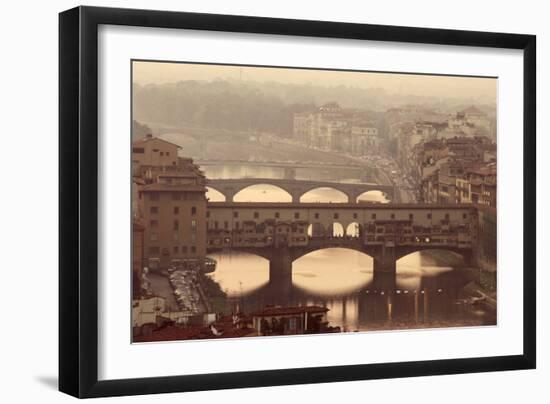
[{"x": 428, "y": 290}]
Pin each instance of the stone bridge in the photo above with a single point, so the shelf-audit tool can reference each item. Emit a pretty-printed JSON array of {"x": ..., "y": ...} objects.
[
  {"x": 297, "y": 188},
  {"x": 282, "y": 233},
  {"x": 284, "y": 164}
]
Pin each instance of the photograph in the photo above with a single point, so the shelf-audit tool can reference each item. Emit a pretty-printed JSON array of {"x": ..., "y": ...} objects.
[{"x": 277, "y": 201}]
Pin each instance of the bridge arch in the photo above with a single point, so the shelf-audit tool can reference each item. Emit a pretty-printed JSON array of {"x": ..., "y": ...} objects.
[
  {"x": 215, "y": 195},
  {"x": 275, "y": 194},
  {"x": 457, "y": 254},
  {"x": 316, "y": 230},
  {"x": 332, "y": 271},
  {"x": 313, "y": 195},
  {"x": 357, "y": 248},
  {"x": 353, "y": 229},
  {"x": 338, "y": 230},
  {"x": 373, "y": 195}
]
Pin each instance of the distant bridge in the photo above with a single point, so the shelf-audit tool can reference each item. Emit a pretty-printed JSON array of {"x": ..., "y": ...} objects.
[
  {"x": 297, "y": 188},
  {"x": 284, "y": 164},
  {"x": 284, "y": 232}
]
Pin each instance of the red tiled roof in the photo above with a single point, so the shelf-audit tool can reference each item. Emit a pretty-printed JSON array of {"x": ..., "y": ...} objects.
[
  {"x": 172, "y": 333},
  {"x": 148, "y": 139},
  {"x": 484, "y": 170}
]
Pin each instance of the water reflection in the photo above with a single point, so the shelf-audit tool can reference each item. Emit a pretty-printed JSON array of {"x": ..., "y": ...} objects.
[
  {"x": 351, "y": 174},
  {"x": 427, "y": 291},
  {"x": 343, "y": 281}
]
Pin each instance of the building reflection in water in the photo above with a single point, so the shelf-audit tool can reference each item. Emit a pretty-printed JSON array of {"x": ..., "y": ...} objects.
[{"x": 421, "y": 294}]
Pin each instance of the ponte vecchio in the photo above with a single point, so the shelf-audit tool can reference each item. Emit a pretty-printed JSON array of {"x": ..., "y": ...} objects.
[{"x": 284, "y": 232}]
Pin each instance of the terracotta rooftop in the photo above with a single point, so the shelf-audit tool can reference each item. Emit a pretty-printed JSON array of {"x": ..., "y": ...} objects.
[
  {"x": 488, "y": 170},
  {"x": 149, "y": 138},
  {"x": 172, "y": 333}
]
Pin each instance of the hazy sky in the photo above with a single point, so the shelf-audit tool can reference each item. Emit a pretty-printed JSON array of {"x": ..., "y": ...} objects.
[{"x": 405, "y": 84}]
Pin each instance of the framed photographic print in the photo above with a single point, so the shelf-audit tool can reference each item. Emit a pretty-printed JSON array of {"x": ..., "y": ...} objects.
[{"x": 251, "y": 201}]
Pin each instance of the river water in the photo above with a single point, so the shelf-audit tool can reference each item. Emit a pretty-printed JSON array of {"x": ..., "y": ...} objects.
[{"x": 428, "y": 290}]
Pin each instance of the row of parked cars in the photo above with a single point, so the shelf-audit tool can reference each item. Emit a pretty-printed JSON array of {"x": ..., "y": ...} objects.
[{"x": 186, "y": 289}]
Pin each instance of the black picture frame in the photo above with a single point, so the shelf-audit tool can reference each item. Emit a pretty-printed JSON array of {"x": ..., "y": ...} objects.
[{"x": 78, "y": 200}]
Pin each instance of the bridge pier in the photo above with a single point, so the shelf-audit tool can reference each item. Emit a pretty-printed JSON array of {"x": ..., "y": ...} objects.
[
  {"x": 470, "y": 258},
  {"x": 280, "y": 266},
  {"x": 385, "y": 261}
]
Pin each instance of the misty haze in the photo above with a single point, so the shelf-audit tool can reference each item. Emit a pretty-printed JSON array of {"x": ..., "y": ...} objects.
[{"x": 276, "y": 201}]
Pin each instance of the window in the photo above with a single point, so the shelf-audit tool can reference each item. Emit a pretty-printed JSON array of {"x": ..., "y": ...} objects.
[
  {"x": 256, "y": 215},
  {"x": 167, "y": 153},
  {"x": 392, "y": 216},
  {"x": 176, "y": 249},
  {"x": 237, "y": 225},
  {"x": 216, "y": 224},
  {"x": 277, "y": 215},
  {"x": 154, "y": 209},
  {"x": 176, "y": 236},
  {"x": 207, "y": 214},
  {"x": 317, "y": 216},
  {"x": 193, "y": 249},
  {"x": 176, "y": 196},
  {"x": 296, "y": 215},
  {"x": 176, "y": 225},
  {"x": 162, "y": 153},
  {"x": 293, "y": 323},
  {"x": 336, "y": 215},
  {"x": 355, "y": 215},
  {"x": 154, "y": 250},
  {"x": 429, "y": 215},
  {"x": 154, "y": 196},
  {"x": 193, "y": 210},
  {"x": 235, "y": 215},
  {"x": 193, "y": 238},
  {"x": 411, "y": 216},
  {"x": 464, "y": 215},
  {"x": 194, "y": 224},
  {"x": 138, "y": 150},
  {"x": 226, "y": 225},
  {"x": 373, "y": 216},
  {"x": 447, "y": 216},
  {"x": 154, "y": 223},
  {"x": 176, "y": 210}
]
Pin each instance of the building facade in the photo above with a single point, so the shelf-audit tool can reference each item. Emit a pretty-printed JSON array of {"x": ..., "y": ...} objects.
[
  {"x": 333, "y": 128},
  {"x": 151, "y": 152},
  {"x": 171, "y": 204}
]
